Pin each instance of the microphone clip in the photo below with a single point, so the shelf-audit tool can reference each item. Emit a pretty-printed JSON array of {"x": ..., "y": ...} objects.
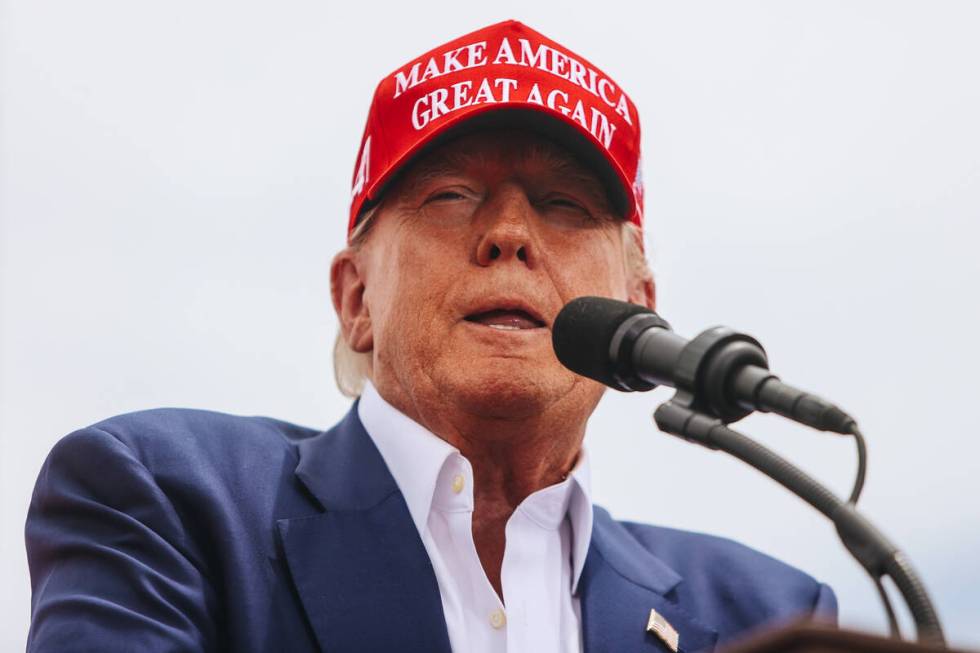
[{"x": 706, "y": 370}]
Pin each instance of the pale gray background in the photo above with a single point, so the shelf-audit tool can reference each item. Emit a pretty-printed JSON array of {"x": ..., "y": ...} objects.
[{"x": 175, "y": 179}]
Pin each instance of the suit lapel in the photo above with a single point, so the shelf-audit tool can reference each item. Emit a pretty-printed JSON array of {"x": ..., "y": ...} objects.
[
  {"x": 620, "y": 584},
  {"x": 360, "y": 568}
]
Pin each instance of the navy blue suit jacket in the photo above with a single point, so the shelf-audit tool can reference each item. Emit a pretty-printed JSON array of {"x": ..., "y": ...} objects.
[{"x": 184, "y": 530}]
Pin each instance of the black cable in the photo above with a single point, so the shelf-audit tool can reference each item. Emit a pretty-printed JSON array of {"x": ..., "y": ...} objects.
[
  {"x": 892, "y": 621},
  {"x": 855, "y": 494},
  {"x": 862, "y": 450}
]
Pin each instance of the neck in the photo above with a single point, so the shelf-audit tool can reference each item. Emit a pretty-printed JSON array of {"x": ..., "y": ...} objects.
[{"x": 511, "y": 457}]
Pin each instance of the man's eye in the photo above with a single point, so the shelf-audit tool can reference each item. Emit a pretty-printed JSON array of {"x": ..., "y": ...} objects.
[
  {"x": 565, "y": 203},
  {"x": 446, "y": 195}
]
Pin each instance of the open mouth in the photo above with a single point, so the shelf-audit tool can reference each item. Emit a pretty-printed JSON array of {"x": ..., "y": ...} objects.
[{"x": 512, "y": 319}]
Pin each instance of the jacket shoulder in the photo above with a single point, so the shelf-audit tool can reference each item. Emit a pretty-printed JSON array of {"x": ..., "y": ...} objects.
[
  {"x": 163, "y": 517},
  {"x": 194, "y": 456},
  {"x": 192, "y": 433},
  {"x": 686, "y": 550},
  {"x": 740, "y": 586}
]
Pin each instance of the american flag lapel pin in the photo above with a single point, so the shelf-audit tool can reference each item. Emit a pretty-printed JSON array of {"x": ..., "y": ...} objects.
[{"x": 662, "y": 629}]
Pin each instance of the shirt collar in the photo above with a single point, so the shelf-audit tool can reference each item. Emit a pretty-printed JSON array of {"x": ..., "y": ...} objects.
[
  {"x": 418, "y": 459},
  {"x": 414, "y": 455}
]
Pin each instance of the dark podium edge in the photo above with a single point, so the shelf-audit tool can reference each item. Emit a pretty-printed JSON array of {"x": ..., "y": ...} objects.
[{"x": 810, "y": 637}]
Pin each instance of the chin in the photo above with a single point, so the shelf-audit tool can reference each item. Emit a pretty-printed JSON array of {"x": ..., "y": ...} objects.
[{"x": 505, "y": 388}]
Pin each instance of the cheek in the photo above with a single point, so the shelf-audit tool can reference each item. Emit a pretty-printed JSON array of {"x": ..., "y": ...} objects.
[
  {"x": 592, "y": 266},
  {"x": 407, "y": 295}
]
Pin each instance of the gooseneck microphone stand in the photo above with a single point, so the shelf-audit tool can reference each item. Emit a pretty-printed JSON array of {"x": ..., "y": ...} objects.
[{"x": 698, "y": 412}]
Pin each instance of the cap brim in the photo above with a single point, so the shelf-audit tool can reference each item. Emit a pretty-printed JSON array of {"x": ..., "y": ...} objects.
[{"x": 548, "y": 122}]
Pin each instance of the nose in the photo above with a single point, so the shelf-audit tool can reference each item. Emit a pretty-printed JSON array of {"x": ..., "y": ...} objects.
[{"x": 506, "y": 228}]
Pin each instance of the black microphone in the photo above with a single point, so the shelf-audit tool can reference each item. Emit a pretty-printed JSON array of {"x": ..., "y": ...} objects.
[{"x": 629, "y": 347}]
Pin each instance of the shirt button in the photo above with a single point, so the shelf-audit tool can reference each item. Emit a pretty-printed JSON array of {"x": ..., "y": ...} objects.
[
  {"x": 458, "y": 482},
  {"x": 498, "y": 619}
]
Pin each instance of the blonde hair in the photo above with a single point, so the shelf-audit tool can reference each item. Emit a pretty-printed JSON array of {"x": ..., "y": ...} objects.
[{"x": 351, "y": 368}]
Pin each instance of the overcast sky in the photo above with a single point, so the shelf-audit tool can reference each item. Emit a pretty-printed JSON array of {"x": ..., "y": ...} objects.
[{"x": 174, "y": 181}]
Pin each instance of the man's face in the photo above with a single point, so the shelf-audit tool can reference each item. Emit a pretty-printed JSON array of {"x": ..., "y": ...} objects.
[{"x": 472, "y": 255}]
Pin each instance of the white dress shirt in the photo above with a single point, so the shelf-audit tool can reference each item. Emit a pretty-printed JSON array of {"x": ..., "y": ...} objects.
[{"x": 547, "y": 538}]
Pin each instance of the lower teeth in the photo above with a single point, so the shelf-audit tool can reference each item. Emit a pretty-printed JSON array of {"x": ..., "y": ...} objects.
[{"x": 505, "y": 327}]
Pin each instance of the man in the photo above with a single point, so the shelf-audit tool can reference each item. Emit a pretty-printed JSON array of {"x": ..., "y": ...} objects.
[{"x": 498, "y": 179}]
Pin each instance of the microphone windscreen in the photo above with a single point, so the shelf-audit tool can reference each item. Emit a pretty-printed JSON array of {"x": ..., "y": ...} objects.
[{"x": 583, "y": 332}]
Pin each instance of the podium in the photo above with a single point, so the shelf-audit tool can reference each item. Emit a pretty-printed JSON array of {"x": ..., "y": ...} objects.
[{"x": 815, "y": 638}]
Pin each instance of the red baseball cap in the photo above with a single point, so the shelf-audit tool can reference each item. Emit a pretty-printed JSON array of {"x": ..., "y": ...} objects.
[{"x": 505, "y": 74}]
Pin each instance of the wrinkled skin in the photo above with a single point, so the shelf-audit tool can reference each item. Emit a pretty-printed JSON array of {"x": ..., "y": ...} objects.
[{"x": 494, "y": 219}]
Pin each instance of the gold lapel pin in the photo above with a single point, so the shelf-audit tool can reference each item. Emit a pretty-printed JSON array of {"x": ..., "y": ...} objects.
[{"x": 659, "y": 627}]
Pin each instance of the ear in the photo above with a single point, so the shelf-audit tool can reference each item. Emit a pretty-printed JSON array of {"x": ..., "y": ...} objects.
[
  {"x": 643, "y": 291},
  {"x": 347, "y": 292}
]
